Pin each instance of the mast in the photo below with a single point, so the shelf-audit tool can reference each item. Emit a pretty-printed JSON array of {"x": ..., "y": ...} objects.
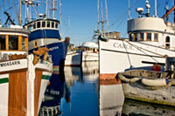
[
  {"x": 46, "y": 7},
  {"x": 107, "y": 21},
  {"x": 98, "y": 15},
  {"x": 19, "y": 17},
  {"x": 60, "y": 15},
  {"x": 102, "y": 22},
  {"x": 174, "y": 12}
]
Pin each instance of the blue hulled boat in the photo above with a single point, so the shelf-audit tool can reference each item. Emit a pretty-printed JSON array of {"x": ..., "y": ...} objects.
[{"x": 44, "y": 31}]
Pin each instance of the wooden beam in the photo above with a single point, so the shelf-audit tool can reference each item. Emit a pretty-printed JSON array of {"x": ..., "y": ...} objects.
[
  {"x": 7, "y": 42},
  {"x": 165, "y": 15}
]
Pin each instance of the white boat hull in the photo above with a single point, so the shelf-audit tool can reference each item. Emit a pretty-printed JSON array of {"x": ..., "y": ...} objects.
[
  {"x": 22, "y": 86},
  {"x": 89, "y": 56},
  {"x": 73, "y": 58},
  {"x": 118, "y": 55}
]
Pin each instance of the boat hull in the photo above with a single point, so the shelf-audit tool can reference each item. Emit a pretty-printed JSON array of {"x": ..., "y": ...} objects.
[
  {"x": 22, "y": 86},
  {"x": 73, "y": 58},
  {"x": 164, "y": 95},
  {"x": 119, "y": 55}
]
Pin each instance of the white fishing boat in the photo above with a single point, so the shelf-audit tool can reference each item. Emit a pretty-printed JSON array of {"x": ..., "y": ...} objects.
[
  {"x": 89, "y": 52},
  {"x": 151, "y": 40},
  {"x": 22, "y": 83},
  {"x": 23, "y": 77},
  {"x": 73, "y": 57}
]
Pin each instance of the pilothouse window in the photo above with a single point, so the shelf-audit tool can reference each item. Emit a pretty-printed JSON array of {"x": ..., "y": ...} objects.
[
  {"x": 48, "y": 23},
  {"x": 13, "y": 42},
  {"x": 141, "y": 36},
  {"x": 156, "y": 37},
  {"x": 167, "y": 44},
  {"x": 2, "y": 42},
  {"x": 38, "y": 25},
  {"x": 148, "y": 36},
  {"x": 43, "y": 24}
]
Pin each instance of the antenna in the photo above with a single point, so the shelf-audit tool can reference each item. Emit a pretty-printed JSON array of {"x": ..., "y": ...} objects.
[
  {"x": 69, "y": 26},
  {"x": 129, "y": 13},
  {"x": 155, "y": 8},
  {"x": 106, "y": 9}
]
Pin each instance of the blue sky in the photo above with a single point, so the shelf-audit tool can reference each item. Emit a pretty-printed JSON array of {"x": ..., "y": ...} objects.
[{"x": 83, "y": 16}]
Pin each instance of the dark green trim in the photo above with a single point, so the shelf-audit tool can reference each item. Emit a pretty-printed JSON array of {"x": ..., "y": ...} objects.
[
  {"x": 46, "y": 77},
  {"x": 4, "y": 80}
]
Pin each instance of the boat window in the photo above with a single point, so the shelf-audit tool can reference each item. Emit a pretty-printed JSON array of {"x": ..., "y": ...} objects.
[
  {"x": 130, "y": 37},
  {"x": 167, "y": 43},
  {"x": 2, "y": 42},
  {"x": 38, "y": 25},
  {"x": 141, "y": 36},
  {"x": 56, "y": 25},
  {"x": 148, "y": 36},
  {"x": 13, "y": 42},
  {"x": 155, "y": 36},
  {"x": 48, "y": 23},
  {"x": 29, "y": 27},
  {"x": 52, "y": 24},
  {"x": 43, "y": 24},
  {"x": 34, "y": 26},
  {"x": 24, "y": 44},
  {"x": 135, "y": 37}
]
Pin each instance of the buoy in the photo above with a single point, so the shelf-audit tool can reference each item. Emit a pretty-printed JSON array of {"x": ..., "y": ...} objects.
[
  {"x": 155, "y": 82},
  {"x": 156, "y": 67}
]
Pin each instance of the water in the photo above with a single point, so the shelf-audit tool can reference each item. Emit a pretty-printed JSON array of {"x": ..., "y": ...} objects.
[{"x": 78, "y": 92}]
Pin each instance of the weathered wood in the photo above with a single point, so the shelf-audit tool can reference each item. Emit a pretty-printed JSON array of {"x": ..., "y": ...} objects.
[
  {"x": 38, "y": 77},
  {"x": 17, "y": 94}
]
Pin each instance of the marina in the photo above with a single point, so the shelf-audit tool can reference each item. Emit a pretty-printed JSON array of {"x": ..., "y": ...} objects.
[{"x": 63, "y": 58}]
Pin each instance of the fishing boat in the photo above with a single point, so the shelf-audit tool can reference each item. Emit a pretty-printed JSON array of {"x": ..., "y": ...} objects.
[
  {"x": 73, "y": 57},
  {"x": 44, "y": 31},
  {"x": 89, "y": 52},
  {"x": 23, "y": 77},
  {"x": 151, "y": 40}
]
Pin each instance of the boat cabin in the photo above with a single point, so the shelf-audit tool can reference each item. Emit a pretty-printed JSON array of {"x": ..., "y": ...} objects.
[
  {"x": 13, "y": 41},
  {"x": 42, "y": 24}
]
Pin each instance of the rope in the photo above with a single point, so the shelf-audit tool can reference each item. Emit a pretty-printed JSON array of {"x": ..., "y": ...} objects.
[
  {"x": 15, "y": 9},
  {"x": 139, "y": 48},
  {"x": 3, "y": 4}
]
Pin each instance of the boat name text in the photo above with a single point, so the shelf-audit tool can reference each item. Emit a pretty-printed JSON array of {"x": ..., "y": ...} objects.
[
  {"x": 54, "y": 48},
  {"x": 10, "y": 63},
  {"x": 123, "y": 46}
]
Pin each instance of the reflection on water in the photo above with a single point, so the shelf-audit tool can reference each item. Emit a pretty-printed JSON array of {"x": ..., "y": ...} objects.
[
  {"x": 111, "y": 98},
  {"x": 135, "y": 108},
  {"x": 73, "y": 93},
  {"x": 79, "y": 92}
]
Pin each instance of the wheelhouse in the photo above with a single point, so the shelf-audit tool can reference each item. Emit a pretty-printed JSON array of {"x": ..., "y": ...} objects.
[
  {"x": 13, "y": 39},
  {"x": 42, "y": 24}
]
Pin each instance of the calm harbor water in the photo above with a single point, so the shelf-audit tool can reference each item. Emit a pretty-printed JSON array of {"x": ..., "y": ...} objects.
[{"x": 78, "y": 92}]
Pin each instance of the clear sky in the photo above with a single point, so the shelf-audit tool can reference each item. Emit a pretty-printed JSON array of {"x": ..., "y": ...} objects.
[{"x": 83, "y": 15}]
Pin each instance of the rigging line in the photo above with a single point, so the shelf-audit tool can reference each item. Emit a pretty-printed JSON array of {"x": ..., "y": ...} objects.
[
  {"x": 14, "y": 8},
  {"x": 141, "y": 49},
  {"x": 124, "y": 14},
  {"x": 3, "y": 4}
]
